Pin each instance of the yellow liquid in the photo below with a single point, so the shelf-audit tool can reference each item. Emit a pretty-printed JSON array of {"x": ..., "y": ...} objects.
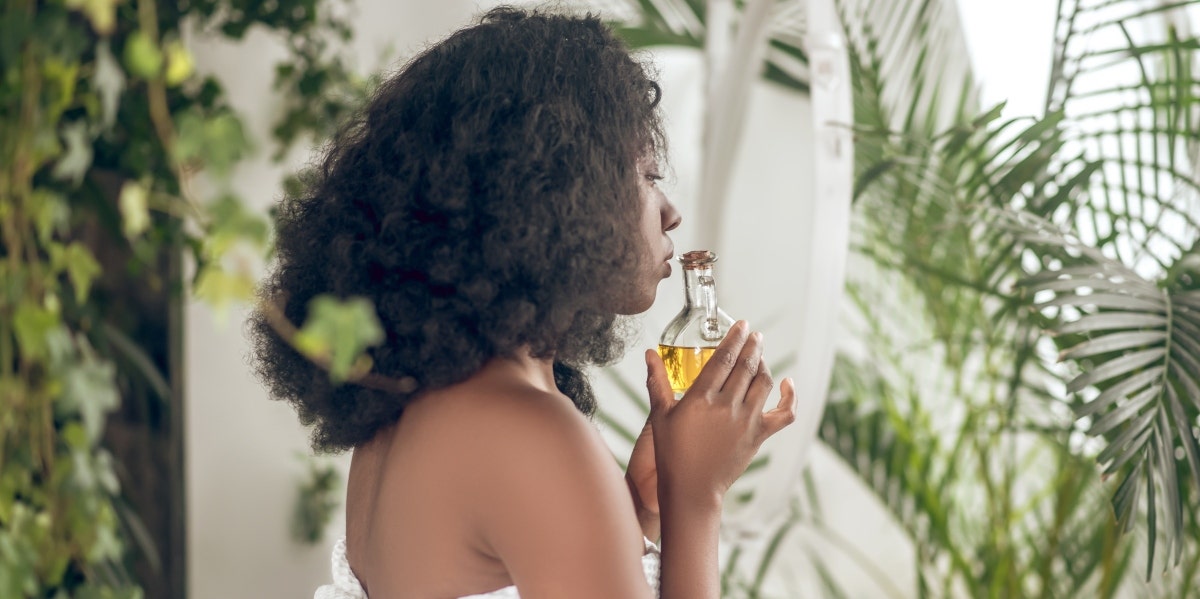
[{"x": 684, "y": 364}]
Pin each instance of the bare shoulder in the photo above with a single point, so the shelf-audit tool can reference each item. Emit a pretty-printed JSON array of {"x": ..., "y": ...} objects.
[
  {"x": 547, "y": 498},
  {"x": 514, "y": 440}
]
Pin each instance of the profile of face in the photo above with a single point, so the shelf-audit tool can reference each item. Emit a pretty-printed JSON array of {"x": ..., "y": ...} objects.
[{"x": 657, "y": 219}]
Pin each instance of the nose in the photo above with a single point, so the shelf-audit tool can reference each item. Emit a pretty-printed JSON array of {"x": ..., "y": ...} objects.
[{"x": 670, "y": 216}]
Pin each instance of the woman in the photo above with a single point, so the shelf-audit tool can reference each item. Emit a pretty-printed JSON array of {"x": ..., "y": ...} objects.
[{"x": 497, "y": 201}]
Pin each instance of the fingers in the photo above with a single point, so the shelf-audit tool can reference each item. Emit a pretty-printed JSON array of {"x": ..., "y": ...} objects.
[
  {"x": 723, "y": 360},
  {"x": 657, "y": 383},
  {"x": 760, "y": 387},
  {"x": 745, "y": 370},
  {"x": 784, "y": 413}
]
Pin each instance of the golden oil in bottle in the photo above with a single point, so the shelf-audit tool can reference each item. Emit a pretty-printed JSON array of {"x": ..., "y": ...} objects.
[
  {"x": 684, "y": 364},
  {"x": 690, "y": 339}
]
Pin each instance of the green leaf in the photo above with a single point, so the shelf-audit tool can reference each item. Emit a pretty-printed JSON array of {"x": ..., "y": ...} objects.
[
  {"x": 90, "y": 391},
  {"x": 1125, "y": 411},
  {"x": 230, "y": 222},
  {"x": 338, "y": 332},
  {"x": 1134, "y": 287},
  {"x": 1117, "y": 391},
  {"x": 1112, "y": 320},
  {"x": 109, "y": 81},
  {"x": 142, "y": 57},
  {"x": 1113, "y": 342},
  {"x": 1191, "y": 445},
  {"x": 32, "y": 325},
  {"x": 135, "y": 212},
  {"x": 1105, "y": 300},
  {"x": 1125, "y": 499},
  {"x": 180, "y": 64},
  {"x": 216, "y": 141},
  {"x": 644, "y": 37},
  {"x": 1131, "y": 441},
  {"x": 1116, "y": 367},
  {"x": 221, "y": 288},
  {"x": 316, "y": 502},
  {"x": 101, "y": 13},
  {"x": 74, "y": 163},
  {"x": 874, "y": 172},
  {"x": 82, "y": 268},
  {"x": 51, "y": 214}
]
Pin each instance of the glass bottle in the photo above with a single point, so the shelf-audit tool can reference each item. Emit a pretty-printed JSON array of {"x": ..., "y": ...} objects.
[{"x": 690, "y": 338}]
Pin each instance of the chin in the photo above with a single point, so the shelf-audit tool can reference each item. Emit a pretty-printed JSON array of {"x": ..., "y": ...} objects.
[
  {"x": 631, "y": 305},
  {"x": 636, "y": 299}
]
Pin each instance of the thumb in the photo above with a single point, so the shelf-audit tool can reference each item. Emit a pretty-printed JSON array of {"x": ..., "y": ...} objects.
[{"x": 657, "y": 384}]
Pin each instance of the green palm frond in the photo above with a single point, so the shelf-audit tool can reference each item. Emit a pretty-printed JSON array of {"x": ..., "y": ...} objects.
[
  {"x": 1112, "y": 160},
  {"x": 926, "y": 193},
  {"x": 1138, "y": 346},
  {"x": 1127, "y": 85},
  {"x": 684, "y": 22},
  {"x": 897, "y": 447}
]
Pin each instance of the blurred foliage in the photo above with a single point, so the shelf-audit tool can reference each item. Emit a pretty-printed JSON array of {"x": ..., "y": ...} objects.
[
  {"x": 104, "y": 123},
  {"x": 1023, "y": 383},
  {"x": 1026, "y": 293},
  {"x": 317, "y": 497}
]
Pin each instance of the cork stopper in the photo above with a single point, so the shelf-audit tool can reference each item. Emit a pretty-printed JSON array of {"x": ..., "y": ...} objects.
[{"x": 698, "y": 259}]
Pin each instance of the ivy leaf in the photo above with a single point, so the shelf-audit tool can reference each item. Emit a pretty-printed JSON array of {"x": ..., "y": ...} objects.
[
  {"x": 102, "y": 13},
  {"x": 180, "y": 64},
  {"x": 109, "y": 81},
  {"x": 106, "y": 545},
  {"x": 78, "y": 157},
  {"x": 218, "y": 142},
  {"x": 51, "y": 213},
  {"x": 316, "y": 502},
  {"x": 135, "y": 212},
  {"x": 232, "y": 222},
  {"x": 221, "y": 288},
  {"x": 142, "y": 57},
  {"x": 58, "y": 86},
  {"x": 32, "y": 325},
  {"x": 90, "y": 391},
  {"x": 82, "y": 269},
  {"x": 79, "y": 265},
  {"x": 337, "y": 332}
]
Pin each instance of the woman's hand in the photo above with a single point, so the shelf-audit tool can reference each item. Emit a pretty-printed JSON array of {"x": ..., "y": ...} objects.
[
  {"x": 704, "y": 441},
  {"x": 642, "y": 478}
]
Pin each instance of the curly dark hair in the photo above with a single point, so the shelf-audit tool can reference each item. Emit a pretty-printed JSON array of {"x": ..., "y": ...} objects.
[{"x": 484, "y": 200}]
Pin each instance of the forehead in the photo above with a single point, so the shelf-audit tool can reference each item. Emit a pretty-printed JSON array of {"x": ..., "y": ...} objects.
[{"x": 647, "y": 160}]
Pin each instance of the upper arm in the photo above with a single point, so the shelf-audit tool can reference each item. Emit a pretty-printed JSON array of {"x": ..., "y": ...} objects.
[{"x": 553, "y": 506}]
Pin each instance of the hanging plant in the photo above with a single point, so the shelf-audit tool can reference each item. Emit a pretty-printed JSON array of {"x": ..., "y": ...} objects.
[{"x": 104, "y": 122}]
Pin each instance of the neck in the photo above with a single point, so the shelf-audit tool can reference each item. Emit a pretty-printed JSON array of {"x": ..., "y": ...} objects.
[{"x": 535, "y": 372}]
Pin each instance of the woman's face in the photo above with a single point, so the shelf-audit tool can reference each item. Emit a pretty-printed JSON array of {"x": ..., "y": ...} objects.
[{"x": 658, "y": 217}]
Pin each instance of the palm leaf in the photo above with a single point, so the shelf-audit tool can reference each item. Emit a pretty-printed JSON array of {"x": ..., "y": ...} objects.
[
  {"x": 1130, "y": 97},
  {"x": 684, "y": 23},
  {"x": 901, "y": 461},
  {"x": 1126, "y": 203},
  {"x": 1141, "y": 353}
]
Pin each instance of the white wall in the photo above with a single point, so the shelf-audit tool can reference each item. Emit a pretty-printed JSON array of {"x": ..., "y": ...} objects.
[
  {"x": 1011, "y": 44},
  {"x": 241, "y": 449}
]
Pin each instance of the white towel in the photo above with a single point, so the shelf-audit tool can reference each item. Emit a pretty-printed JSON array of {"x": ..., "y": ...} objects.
[{"x": 346, "y": 586}]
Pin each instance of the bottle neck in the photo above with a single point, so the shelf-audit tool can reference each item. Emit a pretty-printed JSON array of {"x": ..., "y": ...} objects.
[
  {"x": 701, "y": 295},
  {"x": 694, "y": 287}
]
